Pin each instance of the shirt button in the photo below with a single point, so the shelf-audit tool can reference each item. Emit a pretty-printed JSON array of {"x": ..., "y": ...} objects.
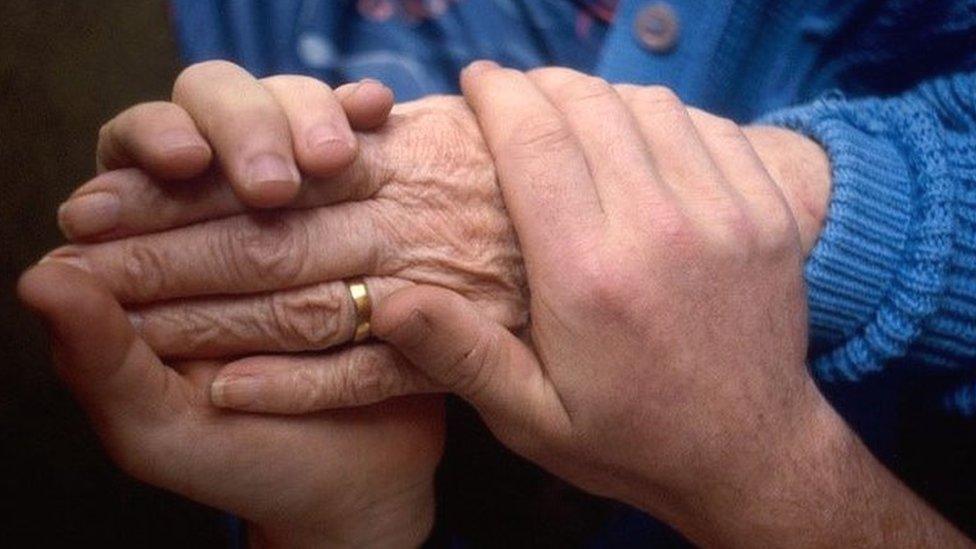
[{"x": 656, "y": 27}]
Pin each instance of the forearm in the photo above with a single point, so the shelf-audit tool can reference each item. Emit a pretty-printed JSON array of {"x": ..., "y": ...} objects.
[{"x": 824, "y": 489}]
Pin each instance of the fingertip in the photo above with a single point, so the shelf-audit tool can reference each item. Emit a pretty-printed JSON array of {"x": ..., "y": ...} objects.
[
  {"x": 64, "y": 296},
  {"x": 40, "y": 287},
  {"x": 368, "y": 104},
  {"x": 477, "y": 68},
  {"x": 32, "y": 288},
  {"x": 475, "y": 78},
  {"x": 159, "y": 137}
]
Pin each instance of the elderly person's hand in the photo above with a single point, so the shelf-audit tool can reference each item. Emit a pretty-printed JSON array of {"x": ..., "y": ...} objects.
[
  {"x": 352, "y": 478},
  {"x": 422, "y": 206},
  {"x": 668, "y": 334}
]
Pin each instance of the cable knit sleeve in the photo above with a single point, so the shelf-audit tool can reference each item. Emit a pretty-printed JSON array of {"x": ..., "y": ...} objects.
[{"x": 894, "y": 272}]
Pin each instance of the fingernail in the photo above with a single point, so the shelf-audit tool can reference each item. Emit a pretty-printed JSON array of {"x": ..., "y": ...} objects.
[
  {"x": 178, "y": 140},
  {"x": 74, "y": 261},
  {"x": 481, "y": 66},
  {"x": 89, "y": 214},
  {"x": 235, "y": 392},
  {"x": 330, "y": 137},
  {"x": 271, "y": 168}
]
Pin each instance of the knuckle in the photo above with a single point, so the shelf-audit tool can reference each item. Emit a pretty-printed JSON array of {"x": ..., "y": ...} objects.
[
  {"x": 539, "y": 134},
  {"x": 180, "y": 330},
  {"x": 310, "y": 389},
  {"x": 627, "y": 92},
  {"x": 722, "y": 128},
  {"x": 731, "y": 233},
  {"x": 143, "y": 269},
  {"x": 739, "y": 228},
  {"x": 370, "y": 379},
  {"x": 608, "y": 286},
  {"x": 152, "y": 109},
  {"x": 298, "y": 83},
  {"x": 585, "y": 89},
  {"x": 305, "y": 320},
  {"x": 454, "y": 131},
  {"x": 659, "y": 99},
  {"x": 779, "y": 235},
  {"x": 471, "y": 373},
  {"x": 201, "y": 72},
  {"x": 444, "y": 133},
  {"x": 674, "y": 231},
  {"x": 272, "y": 249}
]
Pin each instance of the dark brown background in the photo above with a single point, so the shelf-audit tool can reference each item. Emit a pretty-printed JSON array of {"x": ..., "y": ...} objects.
[{"x": 65, "y": 68}]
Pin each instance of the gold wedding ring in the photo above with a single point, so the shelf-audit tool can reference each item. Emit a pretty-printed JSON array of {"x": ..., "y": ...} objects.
[{"x": 364, "y": 308}]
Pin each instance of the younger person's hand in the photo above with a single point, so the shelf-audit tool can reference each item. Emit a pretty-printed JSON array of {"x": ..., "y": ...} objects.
[
  {"x": 220, "y": 112},
  {"x": 668, "y": 333},
  {"x": 352, "y": 478}
]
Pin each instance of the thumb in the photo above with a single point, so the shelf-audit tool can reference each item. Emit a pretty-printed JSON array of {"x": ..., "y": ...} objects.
[
  {"x": 446, "y": 337},
  {"x": 113, "y": 373}
]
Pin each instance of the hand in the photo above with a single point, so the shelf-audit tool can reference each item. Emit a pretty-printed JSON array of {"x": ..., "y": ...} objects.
[
  {"x": 424, "y": 208},
  {"x": 348, "y": 478},
  {"x": 173, "y": 140},
  {"x": 668, "y": 322},
  {"x": 801, "y": 169},
  {"x": 409, "y": 180}
]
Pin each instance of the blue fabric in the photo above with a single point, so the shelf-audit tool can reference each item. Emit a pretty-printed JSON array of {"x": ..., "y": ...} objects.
[{"x": 886, "y": 86}]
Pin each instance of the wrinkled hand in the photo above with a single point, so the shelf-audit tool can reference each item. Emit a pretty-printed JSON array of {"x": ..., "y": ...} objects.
[
  {"x": 420, "y": 206},
  {"x": 351, "y": 478}
]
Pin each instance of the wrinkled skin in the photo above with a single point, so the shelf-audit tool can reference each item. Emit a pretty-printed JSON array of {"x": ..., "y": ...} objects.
[
  {"x": 432, "y": 214},
  {"x": 422, "y": 207}
]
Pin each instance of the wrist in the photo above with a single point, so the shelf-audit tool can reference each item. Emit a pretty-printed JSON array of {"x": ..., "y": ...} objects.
[
  {"x": 801, "y": 169},
  {"x": 788, "y": 487},
  {"x": 402, "y": 523}
]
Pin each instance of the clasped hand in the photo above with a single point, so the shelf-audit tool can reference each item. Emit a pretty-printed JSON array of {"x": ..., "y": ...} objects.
[{"x": 655, "y": 250}]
